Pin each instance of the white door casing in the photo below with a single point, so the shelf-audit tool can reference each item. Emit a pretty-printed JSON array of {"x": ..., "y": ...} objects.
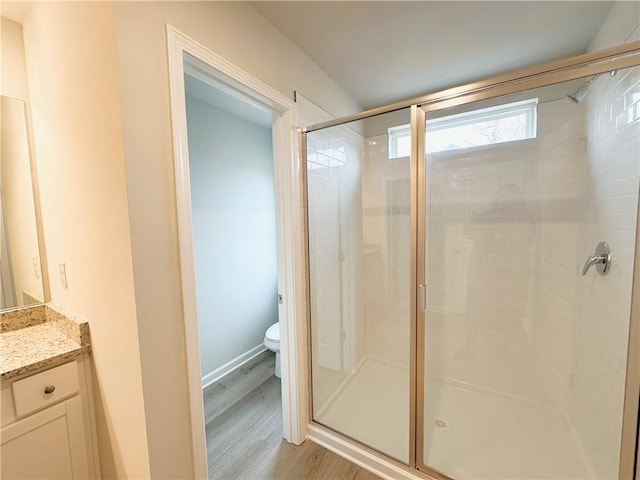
[{"x": 215, "y": 70}]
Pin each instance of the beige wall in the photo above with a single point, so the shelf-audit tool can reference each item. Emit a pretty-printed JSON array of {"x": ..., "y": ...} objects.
[
  {"x": 13, "y": 81},
  {"x": 71, "y": 64},
  {"x": 236, "y": 32}
]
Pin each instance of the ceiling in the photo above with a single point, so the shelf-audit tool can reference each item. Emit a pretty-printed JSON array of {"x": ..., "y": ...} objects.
[
  {"x": 224, "y": 100},
  {"x": 382, "y": 52}
]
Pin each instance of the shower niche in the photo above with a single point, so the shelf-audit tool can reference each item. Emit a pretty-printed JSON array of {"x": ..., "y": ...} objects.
[{"x": 451, "y": 327}]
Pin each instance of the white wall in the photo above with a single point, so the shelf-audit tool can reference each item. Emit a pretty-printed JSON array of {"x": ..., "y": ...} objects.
[
  {"x": 234, "y": 232},
  {"x": 74, "y": 91}
]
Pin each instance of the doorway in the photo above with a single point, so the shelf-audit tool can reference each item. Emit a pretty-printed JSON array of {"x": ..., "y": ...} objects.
[
  {"x": 235, "y": 247},
  {"x": 188, "y": 57}
]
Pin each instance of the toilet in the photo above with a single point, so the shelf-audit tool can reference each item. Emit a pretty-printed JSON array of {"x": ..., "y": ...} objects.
[{"x": 272, "y": 342}]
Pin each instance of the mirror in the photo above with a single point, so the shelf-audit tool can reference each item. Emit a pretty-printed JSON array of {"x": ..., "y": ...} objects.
[{"x": 20, "y": 270}]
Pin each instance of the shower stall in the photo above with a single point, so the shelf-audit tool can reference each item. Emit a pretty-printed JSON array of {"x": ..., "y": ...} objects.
[{"x": 471, "y": 274}]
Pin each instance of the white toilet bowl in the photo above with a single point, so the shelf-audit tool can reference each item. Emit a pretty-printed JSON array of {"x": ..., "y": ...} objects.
[{"x": 272, "y": 342}]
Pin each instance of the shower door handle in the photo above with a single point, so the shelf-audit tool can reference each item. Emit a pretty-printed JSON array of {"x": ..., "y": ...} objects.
[
  {"x": 422, "y": 297},
  {"x": 601, "y": 259}
]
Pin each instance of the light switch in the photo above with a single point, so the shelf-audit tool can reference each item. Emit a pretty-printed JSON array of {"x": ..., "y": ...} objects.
[
  {"x": 36, "y": 266},
  {"x": 63, "y": 274}
]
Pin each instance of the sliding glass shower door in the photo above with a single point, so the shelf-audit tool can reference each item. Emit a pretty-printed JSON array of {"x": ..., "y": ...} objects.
[
  {"x": 526, "y": 325},
  {"x": 359, "y": 230}
]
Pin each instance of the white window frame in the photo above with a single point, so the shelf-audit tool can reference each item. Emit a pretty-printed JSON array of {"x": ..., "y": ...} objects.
[
  {"x": 395, "y": 133},
  {"x": 528, "y": 107}
]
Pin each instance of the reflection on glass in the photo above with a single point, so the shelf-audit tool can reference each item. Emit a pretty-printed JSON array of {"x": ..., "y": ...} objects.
[
  {"x": 20, "y": 277},
  {"x": 525, "y": 361},
  {"x": 359, "y": 254}
]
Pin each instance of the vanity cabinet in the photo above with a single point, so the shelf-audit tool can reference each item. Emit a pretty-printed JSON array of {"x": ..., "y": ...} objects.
[{"x": 47, "y": 425}]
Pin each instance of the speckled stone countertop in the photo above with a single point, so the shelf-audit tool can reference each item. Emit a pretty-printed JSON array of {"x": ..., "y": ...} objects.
[{"x": 36, "y": 338}]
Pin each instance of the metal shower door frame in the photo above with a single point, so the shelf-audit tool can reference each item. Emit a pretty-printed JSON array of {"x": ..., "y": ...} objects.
[{"x": 617, "y": 58}]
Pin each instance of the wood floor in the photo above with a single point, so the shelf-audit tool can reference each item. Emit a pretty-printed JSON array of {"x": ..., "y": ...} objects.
[
  {"x": 245, "y": 443},
  {"x": 230, "y": 389}
]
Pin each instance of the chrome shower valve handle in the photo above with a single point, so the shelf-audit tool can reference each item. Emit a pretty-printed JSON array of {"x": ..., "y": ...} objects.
[{"x": 601, "y": 259}]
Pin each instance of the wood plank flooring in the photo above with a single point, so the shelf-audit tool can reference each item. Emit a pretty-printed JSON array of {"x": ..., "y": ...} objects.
[
  {"x": 245, "y": 443},
  {"x": 229, "y": 390}
]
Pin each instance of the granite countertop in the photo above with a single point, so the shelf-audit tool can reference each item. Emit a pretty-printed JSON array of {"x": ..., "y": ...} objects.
[{"x": 36, "y": 338}]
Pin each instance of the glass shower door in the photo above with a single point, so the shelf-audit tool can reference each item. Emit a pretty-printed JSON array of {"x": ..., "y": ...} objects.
[
  {"x": 524, "y": 349},
  {"x": 359, "y": 228}
]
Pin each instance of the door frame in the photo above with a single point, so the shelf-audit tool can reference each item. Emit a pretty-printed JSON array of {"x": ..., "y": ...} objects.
[{"x": 291, "y": 312}]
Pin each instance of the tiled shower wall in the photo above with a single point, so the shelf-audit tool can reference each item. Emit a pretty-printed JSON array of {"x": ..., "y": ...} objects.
[
  {"x": 335, "y": 256},
  {"x": 560, "y": 159},
  {"x": 386, "y": 231},
  {"x": 359, "y": 204},
  {"x": 508, "y": 230},
  {"x": 359, "y": 250},
  {"x": 501, "y": 220},
  {"x": 610, "y": 179}
]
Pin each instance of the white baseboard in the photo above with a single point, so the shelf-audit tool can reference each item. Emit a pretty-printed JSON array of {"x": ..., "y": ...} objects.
[
  {"x": 229, "y": 367},
  {"x": 362, "y": 457}
]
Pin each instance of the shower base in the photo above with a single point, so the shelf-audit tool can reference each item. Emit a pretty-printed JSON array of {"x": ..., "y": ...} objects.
[
  {"x": 470, "y": 433},
  {"x": 373, "y": 408},
  {"x": 476, "y": 434}
]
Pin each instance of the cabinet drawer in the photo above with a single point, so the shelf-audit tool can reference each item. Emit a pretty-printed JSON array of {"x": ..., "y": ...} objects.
[{"x": 46, "y": 388}]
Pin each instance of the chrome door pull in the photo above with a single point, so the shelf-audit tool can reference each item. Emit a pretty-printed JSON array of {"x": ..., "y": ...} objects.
[{"x": 601, "y": 259}]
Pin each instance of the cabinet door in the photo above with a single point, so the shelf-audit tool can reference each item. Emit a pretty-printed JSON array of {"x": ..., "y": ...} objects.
[{"x": 49, "y": 444}]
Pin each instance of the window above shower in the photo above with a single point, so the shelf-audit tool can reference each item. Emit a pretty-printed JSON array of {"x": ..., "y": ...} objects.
[{"x": 486, "y": 126}]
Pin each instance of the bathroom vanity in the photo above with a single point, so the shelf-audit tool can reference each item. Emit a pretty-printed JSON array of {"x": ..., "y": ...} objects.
[{"x": 47, "y": 418}]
